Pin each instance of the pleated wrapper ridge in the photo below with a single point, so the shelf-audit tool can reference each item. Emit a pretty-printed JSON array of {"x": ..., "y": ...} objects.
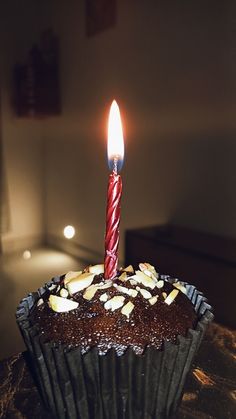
[{"x": 77, "y": 385}]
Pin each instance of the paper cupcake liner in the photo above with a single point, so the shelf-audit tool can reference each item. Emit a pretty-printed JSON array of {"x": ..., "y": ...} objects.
[{"x": 87, "y": 386}]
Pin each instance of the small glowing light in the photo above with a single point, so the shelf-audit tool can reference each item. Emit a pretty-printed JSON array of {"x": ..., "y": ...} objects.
[
  {"x": 115, "y": 144},
  {"x": 26, "y": 255},
  {"x": 69, "y": 232}
]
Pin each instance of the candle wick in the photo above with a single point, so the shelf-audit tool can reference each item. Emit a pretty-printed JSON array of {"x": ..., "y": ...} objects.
[{"x": 115, "y": 167}]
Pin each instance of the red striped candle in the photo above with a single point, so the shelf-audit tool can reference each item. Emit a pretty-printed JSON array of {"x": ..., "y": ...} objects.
[{"x": 115, "y": 152}]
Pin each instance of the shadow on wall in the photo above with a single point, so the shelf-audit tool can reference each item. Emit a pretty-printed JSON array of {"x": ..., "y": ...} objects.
[{"x": 4, "y": 204}]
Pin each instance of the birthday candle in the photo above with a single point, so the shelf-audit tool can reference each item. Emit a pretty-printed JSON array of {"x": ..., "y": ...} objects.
[{"x": 115, "y": 152}]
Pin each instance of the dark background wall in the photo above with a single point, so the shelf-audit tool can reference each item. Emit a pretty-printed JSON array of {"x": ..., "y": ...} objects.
[{"x": 171, "y": 67}]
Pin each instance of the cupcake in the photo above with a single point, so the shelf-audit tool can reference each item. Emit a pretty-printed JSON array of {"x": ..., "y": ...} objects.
[{"x": 117, "y": 348}]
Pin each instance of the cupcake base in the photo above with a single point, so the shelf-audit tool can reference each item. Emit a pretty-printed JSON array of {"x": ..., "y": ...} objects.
[{"x": 87, "y": 386}]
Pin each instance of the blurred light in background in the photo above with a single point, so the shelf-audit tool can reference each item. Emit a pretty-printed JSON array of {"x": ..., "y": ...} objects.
[
  {"x": 26, "y": 255},
  {"x": 69, "y": 232}
]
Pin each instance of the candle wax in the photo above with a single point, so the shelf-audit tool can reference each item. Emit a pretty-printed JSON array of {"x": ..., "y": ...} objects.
[{"x": 112, "y": 225}]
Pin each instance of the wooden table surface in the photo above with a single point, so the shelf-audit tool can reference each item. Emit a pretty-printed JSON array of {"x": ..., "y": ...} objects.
[{"x": 210, "y": 391}]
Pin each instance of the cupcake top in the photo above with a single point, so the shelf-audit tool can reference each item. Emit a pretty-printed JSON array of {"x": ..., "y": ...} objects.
[{"x": 136, "y": 309}]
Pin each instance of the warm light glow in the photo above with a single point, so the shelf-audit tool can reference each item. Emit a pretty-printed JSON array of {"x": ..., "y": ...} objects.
[
  {"x": 69, "y": 232},
  {"x": 115, "y": 144},
  {"x": 26, "y": 255}
]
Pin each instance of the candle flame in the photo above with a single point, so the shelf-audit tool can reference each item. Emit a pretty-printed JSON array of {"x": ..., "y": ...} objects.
[{"x": 115, "y": 144}]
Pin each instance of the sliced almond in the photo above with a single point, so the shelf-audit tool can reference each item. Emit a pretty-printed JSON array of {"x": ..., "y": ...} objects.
[
  {"x": 146, "y": 294},
  {"x": 133, "y": 293},
  {"x": 129, "y": 269},
  {"x": 127, "y": 309},
  {"x": 142, "y": 266},
  {"x": 123, "y": 277},
  {"x": 148, "y": 273},
  {"x": 153, "y": 300},
  {"x": 80, "y": 282},
  {"x": 133, "y": 282},
  {"x": 151, "y": 268},
  {"x": 105, "y": 285},
  {"x": 114, "y": 303},
  {"x": 180, "y": 287},
  {"x": 39, "y": 302},
  {"x": 71, "y": 275},
  {"x": 144, "y": 279},
  {"x": 173, "y": 294},
  {"x": 128, "y": 291},
  {"x": 90, "y": 292},
  {"x": 96, "y": 269},
  {"x": 103, "y": 297},
  {"x": 61, "y": 305},
  {"x": 148, "y": 270},
  {"x": 160, "y": 283},
  {"x": 64, "y": 293}
]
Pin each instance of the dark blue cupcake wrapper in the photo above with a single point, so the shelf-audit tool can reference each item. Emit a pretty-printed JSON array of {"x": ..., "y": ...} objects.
[{"x": 86, "y": 386}]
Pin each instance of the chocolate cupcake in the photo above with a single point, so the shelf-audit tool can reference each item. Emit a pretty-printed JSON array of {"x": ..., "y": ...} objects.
[{"x": 116, "y": 348}]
